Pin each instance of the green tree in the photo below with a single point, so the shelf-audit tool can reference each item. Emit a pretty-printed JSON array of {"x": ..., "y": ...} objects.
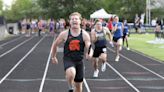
[
  {"x": 125, "y": 8},
  {"x": 1, "y": 6},
  {"x": 62, "y": 8},
  {"x": 159, "y": 12},
  {"x": 22, "y": 9}
]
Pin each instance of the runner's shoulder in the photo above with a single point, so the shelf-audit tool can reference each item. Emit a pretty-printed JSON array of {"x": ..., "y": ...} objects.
[
  {"x": 63, "y": 34},
  {"x": 85, "y": 35}
]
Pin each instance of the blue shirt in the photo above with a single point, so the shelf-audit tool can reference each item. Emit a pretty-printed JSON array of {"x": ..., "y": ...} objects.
[
  {"x": 119, "y": 32},
  {"x": 126, "y": 29}
]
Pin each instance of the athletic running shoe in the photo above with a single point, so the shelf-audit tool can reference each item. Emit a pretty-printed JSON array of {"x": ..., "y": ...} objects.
[
  {"x": 103, "y": 67},
  {"x": 128, "y": 48},
  {"x": 70, "y": 90},
  {"x": 117, "y": 58},
  {"x": 96, "y": 73}
]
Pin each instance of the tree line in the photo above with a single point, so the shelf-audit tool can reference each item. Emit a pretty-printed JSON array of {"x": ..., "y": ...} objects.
[{"x": 62, "y": 8}]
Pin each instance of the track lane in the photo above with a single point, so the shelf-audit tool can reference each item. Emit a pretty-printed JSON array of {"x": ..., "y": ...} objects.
[
  {"x": 27, "y": 76},
  {"x": 138, "y": 75}
]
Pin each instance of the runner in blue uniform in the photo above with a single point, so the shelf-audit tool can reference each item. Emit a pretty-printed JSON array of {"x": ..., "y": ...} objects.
[
  {"x": 117, "y": 37},
  {"x": 125, "y": 34}
]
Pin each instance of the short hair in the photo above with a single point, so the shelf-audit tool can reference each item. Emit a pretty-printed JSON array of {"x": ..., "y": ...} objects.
[
  {"x": 116, "y": 16},
  {"x": 75, "y": 13}
]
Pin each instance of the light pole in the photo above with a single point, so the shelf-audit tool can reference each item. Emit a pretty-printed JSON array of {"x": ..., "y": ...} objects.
[{"x": 148, "y": 12}]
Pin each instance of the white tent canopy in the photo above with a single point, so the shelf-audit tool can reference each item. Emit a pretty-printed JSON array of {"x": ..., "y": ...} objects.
[{"x": 100, "y": 14}]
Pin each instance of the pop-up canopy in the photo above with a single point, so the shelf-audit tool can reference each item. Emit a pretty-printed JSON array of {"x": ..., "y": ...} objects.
[{"x": 100, "y": 14}]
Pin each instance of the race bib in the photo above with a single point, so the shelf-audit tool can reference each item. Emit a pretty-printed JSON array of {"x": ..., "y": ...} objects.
[{"x": 104, "y": 49}]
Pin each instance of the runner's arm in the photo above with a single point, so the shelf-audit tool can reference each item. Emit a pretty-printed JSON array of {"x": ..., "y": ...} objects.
[
  {"x": 93, "y": 36},
  {"x": 56, "y": 43},
  {"x": 87, "y": 40},
  {"x": 109, "y": 34},
  {"x": 114, "y": 27}
]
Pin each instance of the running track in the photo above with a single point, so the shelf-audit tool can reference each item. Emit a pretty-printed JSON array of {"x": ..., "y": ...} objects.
[{"x": 25, "y": 66}]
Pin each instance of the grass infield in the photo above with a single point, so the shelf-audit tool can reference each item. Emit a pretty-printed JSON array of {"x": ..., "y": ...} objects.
[{"x": 140, "y": 43}]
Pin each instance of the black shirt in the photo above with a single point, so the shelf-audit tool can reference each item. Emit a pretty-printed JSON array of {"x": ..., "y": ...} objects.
[{"x": 74, "y": 47}]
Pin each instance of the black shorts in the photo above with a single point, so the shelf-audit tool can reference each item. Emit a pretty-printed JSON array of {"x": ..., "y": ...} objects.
[
  {"x": 115, "y": 39},
  {"x": 79, "y": 67},
  {"x": 98, "y": 51},
  {"x": 124, "y": 35}
]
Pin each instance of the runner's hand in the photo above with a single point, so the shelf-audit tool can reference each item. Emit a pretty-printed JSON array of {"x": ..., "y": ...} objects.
[
  {"x": 54, "y": 60},
  {"x": 111, "y": 43},
  {"x": 88, "y": 57}
]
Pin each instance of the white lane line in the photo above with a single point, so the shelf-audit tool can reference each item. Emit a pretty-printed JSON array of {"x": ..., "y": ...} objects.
[
  {"x": 46, "y": 70},
  {"x": 86, "y": 85},
  {"x": 130, "y": 84},
  {"x": 138, "y": 64},
  {"x": 37, "y": 79},
  {"x": 10, "y": 41},
  {"x": 99, "y": 80},
  {"x": 14, "y": 47},
  {"x": 20, "y": 61}
]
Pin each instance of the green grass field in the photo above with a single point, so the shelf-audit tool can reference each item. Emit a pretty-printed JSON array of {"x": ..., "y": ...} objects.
[{"x": 139, "y": 42}]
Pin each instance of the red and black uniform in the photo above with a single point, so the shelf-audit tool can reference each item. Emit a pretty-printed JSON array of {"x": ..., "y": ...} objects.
[{"x": 73, "y": 54}]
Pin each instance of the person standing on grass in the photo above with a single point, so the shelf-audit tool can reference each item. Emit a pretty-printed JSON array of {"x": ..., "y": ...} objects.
[
  {"x": 158, "y": 30},
  {"x": 75, "y": 41},
  {"x": 98, "y": 36},
  {"x": 117, "y": 37}
]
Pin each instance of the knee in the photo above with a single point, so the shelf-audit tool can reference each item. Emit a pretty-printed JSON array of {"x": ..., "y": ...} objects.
[
  {"x": 70, "y": 73},
  {"x": 79, "y": 86},
  {"x": 103, "y": 57}
]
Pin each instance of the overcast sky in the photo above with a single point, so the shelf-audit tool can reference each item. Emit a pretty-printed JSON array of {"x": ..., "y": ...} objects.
[{"x": 6, "y": 2}]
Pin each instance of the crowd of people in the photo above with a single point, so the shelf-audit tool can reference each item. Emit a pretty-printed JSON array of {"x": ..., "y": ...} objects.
[
  {"x": 30, "y": 26},
  {"x": 156, "y": 23}
]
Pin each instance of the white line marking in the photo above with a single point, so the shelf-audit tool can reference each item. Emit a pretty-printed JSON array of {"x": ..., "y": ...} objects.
[
  {"x": 86, "y": 85},
  {"x": 46, "y": 70},
  {"x": 130, "y": 84},
  {"x": 14, "y": 47},
  {"x": 20, "y": 61},
  {"x": 152, "y": 87},
  {"x": 139, "y": 64},
  {"x": 10, "y": 41},
  {"x": 37, "y": 79},
  {"x": 100, "y": 80}
]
